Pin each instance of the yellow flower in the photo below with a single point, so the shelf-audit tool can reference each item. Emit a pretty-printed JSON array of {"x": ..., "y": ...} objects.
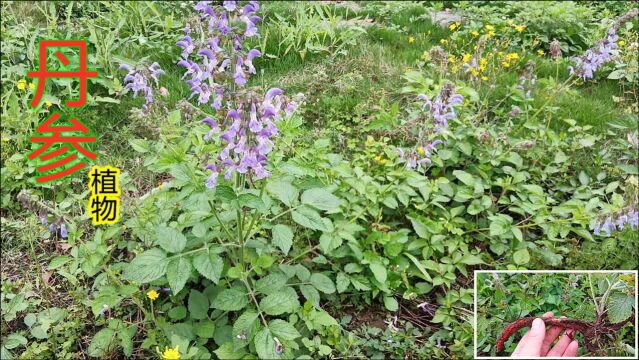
[
  {"x": 160, "y": 186},
  {"x": 452, "y": 59},
  {"x": 171, "y": 354},
  {"x": 152, "y": 294},
  {"x": 48, "y": 103},
  {"x": 5, "y": 139},
  {"x": 621, "y": 43},
  {"x": 512, "y": 56},
  {"x": 510, "y": 22},
  {"x": 475, "y": 33},
  {"x": 31, "y": 86},
  {"x": 22, "y": 84},
  {"x": 505, "y": 64},
  {"x": 490, "y": 27},
  {"x": 484, "y": 78},
  {"x": 466, "y": 58},
  {"x": 443, "y": 41},
  {"x": 540, "y": 52},
  {"x": 491, "y": 34},
  {"x": 411, "y": 39},
  {"x": 452, "y": 27},
  {"x": 420, "y": 150},
  {"x": 383, "y": 161},
  {"x": 500, "y": 53},
  {"x": 378, "y": 158},
  {"x": 520, "y": 28}
]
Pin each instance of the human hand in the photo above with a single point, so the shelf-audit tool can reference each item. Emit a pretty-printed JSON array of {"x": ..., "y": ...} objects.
[{"x": 537, "y": 341}]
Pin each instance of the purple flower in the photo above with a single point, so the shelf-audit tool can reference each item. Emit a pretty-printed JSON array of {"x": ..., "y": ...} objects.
[
  {"x": 53, "y": 228},
  {"x": 595, "y": 57},
  {"x": 608, "y": 226},
  {"x": 138, "y": 80},
  {"x": 392, "y": 323},
  {"x": 63, "y": 231}
]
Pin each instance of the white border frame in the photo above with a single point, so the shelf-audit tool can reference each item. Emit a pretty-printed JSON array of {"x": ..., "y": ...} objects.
[{"x": 635, "y": 272}]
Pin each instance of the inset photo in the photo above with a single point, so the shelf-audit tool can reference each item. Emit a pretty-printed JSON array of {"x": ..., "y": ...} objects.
[{"x": 555, "y": 314}]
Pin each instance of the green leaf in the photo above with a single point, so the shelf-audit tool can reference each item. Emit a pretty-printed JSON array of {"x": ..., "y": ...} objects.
[
  {"x": 59, "y": 261},
  {"x": 283, "y": 191},
  {"x": 500, "y": 224},
  {"x": 146, "y": 267},
  {"x": 170, "y": 239},
  {"x": 419, "y": 266},
  {"x": 620, "y": 307},
  {"x": 226, "y": 351},
  {"x": 244, "y": 328},
  {"x": 210, "y": 265},
  {"x": 102, "y": 343},
  {"x": 283, "y": 330},
  {"x": 309, "y": 218},
  {"x": 14, "y": 340},
  {"x": 270, "y": 283},
  {"x": 391, "y": 303},
  {"x": 281, "y": 302},
  {"x": 470, "y": 259},
  {"x": 323, "y": 283},
  {"x": 232, "y": 299},
  {"x": 251, "y": 201},
  {"x": 521, "y": 257},
  {"x": 321, "y": 199},
  {"x": 283, "y": 237},
  {"x": 198, "y": 305},
  {"x": 177, "y": 273},
  {"x": 342, "y": 282},
  {"x": 464, "y": 177},
  {"x": 311, "y": 294},
  {"x": 379, "y": 271},
  {"x": 419, "y": 227},
  {"x": 265, "y": 345}
]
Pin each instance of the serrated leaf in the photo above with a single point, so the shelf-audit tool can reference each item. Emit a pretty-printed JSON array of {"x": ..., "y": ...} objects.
[
  {"x": 322, "y": 283},
  {"x": 311, "y": 294},
  {"x": 244, "y": 328},
  {"x": 102, "y": 343},
  {"x": 178, "y": 272},
  {"x": 283, "y": 237},
  {"x": 283, "y": 191},
  {"x": 309, "y": 218},
  {"x": 620, "y": 307},
  {"x": 232, "y": 299},
  {"x": 342, "y": 282},
  {"x": 146, "y": 267},
  {"x": 270, "y": 283},
  {"x": 265, "y": 345},
  {"x": 170, "y": 239},
  {"x": 283, "y": 330},
  {"x": 521, "y": 257},
  {"x": 210, "y": 265},
  {"x": 321, "y": 199},
  {"x": 281, "y": 302}
]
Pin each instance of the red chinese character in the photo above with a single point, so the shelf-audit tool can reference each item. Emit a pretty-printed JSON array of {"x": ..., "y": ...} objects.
[
  {"x": 57, "y": 138},
  {"x": 42, "y": 74}
]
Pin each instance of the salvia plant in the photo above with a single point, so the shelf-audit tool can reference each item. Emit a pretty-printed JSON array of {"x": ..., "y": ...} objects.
[{"x": 141, "y": 80}]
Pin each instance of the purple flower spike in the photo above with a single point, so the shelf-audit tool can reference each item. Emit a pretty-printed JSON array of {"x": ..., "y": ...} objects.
[{"x": 63, "y": 231}]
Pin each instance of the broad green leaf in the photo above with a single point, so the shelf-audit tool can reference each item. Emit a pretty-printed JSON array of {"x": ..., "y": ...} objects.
[
  {"x": 244, "y": 328},
  {"x": 265, "y": 345},
  {"x": 391, "y": 303},
  {"x": 323, "y": 283},
  {"x": 170, "y": 239},
  {"x": 470, "y": 259},
  {"x": 329, "y": 242},
  {"x": 102, "y": 343},
  {"x": 210, "y": 265},
  {"x": 227, "y": 352},
  {"x": 198, "y": 305},
  {"x": 232, "y": 299},
  {"x": 283, "y": 330},
  {"x": 419, "y": 266},
  {"x": 177, "y": 273},
  {"x": 146, "y": 267},
  {"x": 379, "y": 271},
  {"x": 270, "y": 283},
  {"x": 283, "y": 191},
  {"x": 283, "y": 237},
  {"x": 311, "y": 294},
  {"x": 500, "y": 224},
  {"x": 281, "y": 302},
  {"x": 464, "y": 177},
  {"x": 521, "y": 257},
  {"x": 309, "y": 218},
  {"x": 321, "y": 199},
  {"x": 620, "y": 307},
  {"x": 342, "y": 282}
]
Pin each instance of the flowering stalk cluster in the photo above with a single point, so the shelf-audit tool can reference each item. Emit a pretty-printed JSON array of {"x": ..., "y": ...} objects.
[
  {"x": 138, "y": 81},
  {"x": 595, "y": 57},
  {"x": 528, "y": 78},
  {"x": 218, "y": 65},
  {"x": 629, "y": 219},
  {"x": 440, "y": 110}
]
